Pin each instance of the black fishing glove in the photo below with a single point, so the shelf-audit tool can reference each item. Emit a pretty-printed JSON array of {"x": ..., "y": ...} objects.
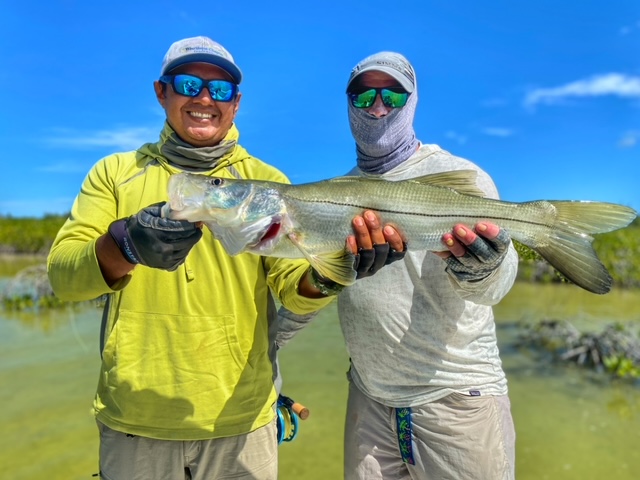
[
  {"x": 148, "y": 239},
  {"x": 369, "y": 261},
  {"x": 482, "y": 257}
]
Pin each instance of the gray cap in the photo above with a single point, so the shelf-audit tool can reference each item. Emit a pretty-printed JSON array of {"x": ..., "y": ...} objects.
[
  {"x": 200, "y": 49},
  {"x": 391, "y": 63}
]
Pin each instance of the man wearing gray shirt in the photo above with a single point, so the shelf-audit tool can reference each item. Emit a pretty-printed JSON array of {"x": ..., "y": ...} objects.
[{"x": 427, "y": 394}]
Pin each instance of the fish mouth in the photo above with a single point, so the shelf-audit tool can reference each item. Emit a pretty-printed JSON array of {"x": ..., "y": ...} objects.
[
  {"x": 272, "y": 232},
  {"x": 268, "y": 239},
  {"x": 185, "y": 197}
]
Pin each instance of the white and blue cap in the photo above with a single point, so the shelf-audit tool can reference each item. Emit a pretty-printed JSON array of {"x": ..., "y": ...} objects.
[
  {"x": 391, "y": 63},
  {"x": 200, "y": 50}
]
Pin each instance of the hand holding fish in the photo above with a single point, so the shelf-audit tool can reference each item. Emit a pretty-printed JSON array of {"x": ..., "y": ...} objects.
[
  {"x": 474, "y": 253},
  {"x": 373, "y": 245},
  {"x": 151, "y": 240}
]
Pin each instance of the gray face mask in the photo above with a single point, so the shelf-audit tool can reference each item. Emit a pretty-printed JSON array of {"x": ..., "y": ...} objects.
[{"x": 385, "y": 142}]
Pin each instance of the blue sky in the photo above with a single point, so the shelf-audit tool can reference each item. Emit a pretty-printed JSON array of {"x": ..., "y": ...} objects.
[{"x": 543, "y": 95}]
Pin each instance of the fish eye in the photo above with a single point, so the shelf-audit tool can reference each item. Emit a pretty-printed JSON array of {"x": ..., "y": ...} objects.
[{"x": 217, "y": 182}]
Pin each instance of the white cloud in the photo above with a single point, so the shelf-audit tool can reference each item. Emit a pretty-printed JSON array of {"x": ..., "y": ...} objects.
[
  {"x": 497, "y": 132},
  {"x": 628, "y": 29},
  {"x": 119, "y": 139},
  {"x": 456, "y": 137},
  {"x": 63, "y": 167},
  {"x": 610, "y": 84},
  {"x": 188, "y": 18},
  {"x": 629, "y": 139}
]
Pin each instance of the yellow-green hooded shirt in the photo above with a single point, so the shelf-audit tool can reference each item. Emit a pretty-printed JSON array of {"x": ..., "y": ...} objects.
[{"x": 185, "y": 354}]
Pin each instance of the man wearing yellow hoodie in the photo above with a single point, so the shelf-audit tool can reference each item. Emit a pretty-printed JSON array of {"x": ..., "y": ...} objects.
[{"x": 186, "y": 382}]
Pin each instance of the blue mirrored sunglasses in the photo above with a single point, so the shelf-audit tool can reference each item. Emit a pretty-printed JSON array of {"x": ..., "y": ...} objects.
[
  {"x": 391, "y": 97},
  {"x": 191, "y": 86}
]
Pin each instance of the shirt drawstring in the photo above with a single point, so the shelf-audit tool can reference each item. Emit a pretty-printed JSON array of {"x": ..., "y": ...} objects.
[{"x": 403, "y": 423}]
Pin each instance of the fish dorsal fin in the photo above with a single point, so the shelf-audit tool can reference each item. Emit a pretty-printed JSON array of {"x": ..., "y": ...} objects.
[{"x": 463, "y": 181}]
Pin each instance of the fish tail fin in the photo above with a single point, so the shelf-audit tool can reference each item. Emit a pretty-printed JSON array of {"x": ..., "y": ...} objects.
[{"x": 567, "y": 245}]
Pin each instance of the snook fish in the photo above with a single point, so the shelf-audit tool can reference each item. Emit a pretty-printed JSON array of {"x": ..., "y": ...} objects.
[{"x": 313, "y": 220}]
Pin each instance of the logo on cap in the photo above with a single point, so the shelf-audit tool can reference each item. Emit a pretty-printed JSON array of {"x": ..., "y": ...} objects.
[
  {"x": 212, "y": 50},
  {"x": 397, "y": 64},
  {"x": 400, "y": 67}
]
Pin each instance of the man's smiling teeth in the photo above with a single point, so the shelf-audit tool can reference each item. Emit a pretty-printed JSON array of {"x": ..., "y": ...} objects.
[{"x": 200, "y": 115}]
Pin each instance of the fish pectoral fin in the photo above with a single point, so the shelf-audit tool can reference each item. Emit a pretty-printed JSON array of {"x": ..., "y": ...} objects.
[
  {"x": 462, "y": 181},
  {"x": 337, "y": 266}
]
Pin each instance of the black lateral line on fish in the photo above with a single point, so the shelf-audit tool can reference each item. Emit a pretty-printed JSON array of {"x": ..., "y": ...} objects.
[{"x": 430, "y": 215}]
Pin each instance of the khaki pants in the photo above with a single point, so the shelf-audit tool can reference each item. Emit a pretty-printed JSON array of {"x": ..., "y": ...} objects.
[
  {"x": 458, "y": 437},
  {"x": 250, "y": 456}
]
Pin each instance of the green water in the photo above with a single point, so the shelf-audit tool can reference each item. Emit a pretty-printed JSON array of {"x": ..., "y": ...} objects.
[
  {"x": 12, "y": 264},
  {"x": 570, "y": 424}
]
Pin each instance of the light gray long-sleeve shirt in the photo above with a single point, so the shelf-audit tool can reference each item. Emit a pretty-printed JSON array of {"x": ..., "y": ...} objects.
[{"x": 413, "y": 332}]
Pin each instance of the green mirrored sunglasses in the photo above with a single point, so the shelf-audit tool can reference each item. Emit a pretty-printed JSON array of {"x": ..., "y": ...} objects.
[{"x": 391, "y": 97}]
